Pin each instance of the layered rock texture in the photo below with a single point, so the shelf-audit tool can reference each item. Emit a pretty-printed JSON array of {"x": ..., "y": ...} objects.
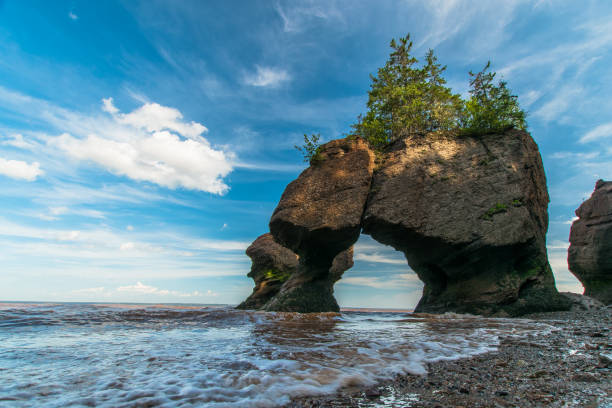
[
  {"x": 272, "y": 265},
  {"x": 469, "y": 213},
  {"x": 590, "y": 251},
  {"x": 319, "y": 217}
]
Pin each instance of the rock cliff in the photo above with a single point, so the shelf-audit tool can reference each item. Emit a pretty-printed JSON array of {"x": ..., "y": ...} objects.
[
  {"x": 469, "y": 213},
  {"x": 590, "y": 251}
]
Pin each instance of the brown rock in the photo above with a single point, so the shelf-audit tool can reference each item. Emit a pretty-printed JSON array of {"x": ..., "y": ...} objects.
[
  {"x": 318, "y": 217},
  {"x": 589, "y": 254},
  {"x": 272, "y": 265},
  {"x": 306, "y": 292},
  {"x": 470, "y": 214}
]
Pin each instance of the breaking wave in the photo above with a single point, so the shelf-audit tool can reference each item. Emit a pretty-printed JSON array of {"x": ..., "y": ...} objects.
[{"x": 58, "y": 355}]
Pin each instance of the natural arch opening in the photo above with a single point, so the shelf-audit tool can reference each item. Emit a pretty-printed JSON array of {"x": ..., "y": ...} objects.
[{"x": 380, "y": 278}]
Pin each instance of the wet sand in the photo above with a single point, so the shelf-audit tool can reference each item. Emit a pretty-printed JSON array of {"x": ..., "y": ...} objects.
[{"x": 570, "y": 367}]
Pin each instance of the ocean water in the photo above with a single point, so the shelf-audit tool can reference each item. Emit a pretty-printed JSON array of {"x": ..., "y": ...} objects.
[{"x": 110, "y": 355}]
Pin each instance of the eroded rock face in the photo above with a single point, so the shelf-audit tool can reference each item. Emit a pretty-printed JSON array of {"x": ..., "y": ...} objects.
[
  {"x": 307, "y": 292},
  {"x": 272, "y": 265},
  {"x": 470, "y": 214},
  {"x": 319, "y": 217},
  {"x": 590, "y": 251}
]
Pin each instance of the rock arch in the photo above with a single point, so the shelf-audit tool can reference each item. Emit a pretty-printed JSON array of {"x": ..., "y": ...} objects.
[{"x": 469, "y": 214}]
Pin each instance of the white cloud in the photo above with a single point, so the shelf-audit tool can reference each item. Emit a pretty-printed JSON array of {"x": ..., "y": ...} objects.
[
  {"x": 558, "y": 245},
  {"x": 600, "y": 132},
  {"x": 152, "y": 144},
  {"x": 130, "y": 228},
  {"x": 20, "y": 170},
  {"x": 267, "y": 77},
  {"x": 140, "y": 288},
  {"x": 570, "y": 222},
  {"x": 72, "y": 16},
  {"x": 17, "y": 140},
  {"x": 127, "y": 246},
  {"x": 154, "y": 118},
  {"x": 378, "y": 258},
  {"x": 529, "y": 98},
  {"x": 390, "y": 282},
  {"x": 108, "y": 106}
]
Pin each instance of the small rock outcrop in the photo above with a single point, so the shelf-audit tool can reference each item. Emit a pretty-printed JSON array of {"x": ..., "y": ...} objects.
[
  {"x": 590, "y": 251},
  {"x": 318, "y": 217},
  {"x": 581, "y": 302},
  {"x": 272, "y": 265},
  {"x": 469, "y": 213}
]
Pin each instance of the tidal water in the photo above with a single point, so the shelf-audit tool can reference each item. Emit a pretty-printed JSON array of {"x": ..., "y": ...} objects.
[{"x": 111, "y": 355}]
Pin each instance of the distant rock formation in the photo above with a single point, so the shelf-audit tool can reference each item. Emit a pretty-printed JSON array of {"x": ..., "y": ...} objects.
[
  {"x": 590, "y": 251},
  {"x": 469, "y": 213},
  {"x": 272, "y": 264}
]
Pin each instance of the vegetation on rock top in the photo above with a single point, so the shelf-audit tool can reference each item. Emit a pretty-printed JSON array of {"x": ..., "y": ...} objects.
[{"x": 406, "y": 99}]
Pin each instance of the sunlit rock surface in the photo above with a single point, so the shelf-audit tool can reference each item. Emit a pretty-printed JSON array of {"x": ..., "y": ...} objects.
[
  {"x": 318, "y": 217},
  {"x": 469, "y": 213}
]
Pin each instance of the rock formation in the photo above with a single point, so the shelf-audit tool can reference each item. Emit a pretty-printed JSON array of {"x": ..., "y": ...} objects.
[
  {"x": 590, "y": 251},
  {"x": 469, "y": 213},
  {"x": 272, "y": 264},
  {"x": 307, "y": 292},
  {"x": 318, "y": 217}
]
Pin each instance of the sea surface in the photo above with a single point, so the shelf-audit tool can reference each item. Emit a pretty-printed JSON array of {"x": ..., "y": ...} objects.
[{"x": 127, "y": 355}]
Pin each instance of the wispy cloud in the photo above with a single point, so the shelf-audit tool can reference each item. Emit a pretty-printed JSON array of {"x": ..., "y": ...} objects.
[
  {"x": 560, "y": 103},
  {"x": 386, "y": 282},
  {"x": 574, "y": 155},
  {"x": 297, "y": 17},
  {"x": 17, "y": 140},
  {"x": 378, "y": 258},
  {"x": 140, "y": 289},
  {"x": 152, "y": 143},
  {"x": 600, "y": 132},
  {"x": 267, "y": 77}
]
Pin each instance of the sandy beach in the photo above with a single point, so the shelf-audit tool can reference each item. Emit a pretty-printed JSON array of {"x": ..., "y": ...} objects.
[{"x": 570, "y": 367}]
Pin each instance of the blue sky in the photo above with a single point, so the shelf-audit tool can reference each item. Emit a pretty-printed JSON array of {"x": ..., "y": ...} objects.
[{"x": 144, "y": 144}]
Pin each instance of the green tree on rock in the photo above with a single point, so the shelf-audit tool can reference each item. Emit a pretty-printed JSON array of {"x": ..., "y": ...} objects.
[
  {"x": 406, "y": 99},
  {"x": 491, "y": 107}
]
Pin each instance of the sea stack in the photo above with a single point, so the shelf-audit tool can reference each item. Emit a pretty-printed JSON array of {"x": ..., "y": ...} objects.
[
  {"x": 590, "y": 251},
  {"x": 319, "y": 217},
  {"x": 469, "y": 212}
]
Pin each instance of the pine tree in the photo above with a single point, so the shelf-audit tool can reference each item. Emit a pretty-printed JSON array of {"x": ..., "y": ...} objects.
[
  {"x": 491, "y": 107},
  {"x": 405, "y": 99}
]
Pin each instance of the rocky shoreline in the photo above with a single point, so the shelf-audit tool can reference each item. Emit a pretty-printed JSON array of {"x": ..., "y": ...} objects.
[{"x": 570, "y": 367}]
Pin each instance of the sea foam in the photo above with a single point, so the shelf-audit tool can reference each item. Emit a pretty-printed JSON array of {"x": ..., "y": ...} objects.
[{"x": 172, "y": 356}]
